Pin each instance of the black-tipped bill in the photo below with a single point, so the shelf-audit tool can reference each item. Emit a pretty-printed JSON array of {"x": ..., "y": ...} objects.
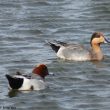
[{"x": 106, "y": 41}]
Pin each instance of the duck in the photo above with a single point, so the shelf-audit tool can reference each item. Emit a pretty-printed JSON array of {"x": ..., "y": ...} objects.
[
  {"x": 78, "y": 52},
  {"x": 24, "y": 82}
]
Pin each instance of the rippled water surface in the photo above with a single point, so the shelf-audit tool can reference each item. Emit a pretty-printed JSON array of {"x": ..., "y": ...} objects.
[{"x": 24, "y": 27}]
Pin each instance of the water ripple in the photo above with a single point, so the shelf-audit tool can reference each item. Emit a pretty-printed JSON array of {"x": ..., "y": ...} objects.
[{"x": 24, "y": 27}]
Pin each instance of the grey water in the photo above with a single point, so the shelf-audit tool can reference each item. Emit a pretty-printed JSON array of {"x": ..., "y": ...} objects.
[{"x": 24, "y": 27}]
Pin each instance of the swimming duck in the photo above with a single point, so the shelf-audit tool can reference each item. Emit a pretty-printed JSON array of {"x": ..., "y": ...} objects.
[
  {"x": 27, "y": 82},
  {"x": 78, "y": 52}
]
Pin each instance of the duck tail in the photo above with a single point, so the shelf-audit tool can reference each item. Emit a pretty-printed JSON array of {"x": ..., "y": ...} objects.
[
  {"x": 15, "y": 83},
  {"x": 55, "y": 47},
  {"x": 8, "y": 77}
]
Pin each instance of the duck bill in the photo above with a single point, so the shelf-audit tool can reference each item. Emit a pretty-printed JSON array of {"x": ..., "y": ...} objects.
[{"x": 106, "y": 41}]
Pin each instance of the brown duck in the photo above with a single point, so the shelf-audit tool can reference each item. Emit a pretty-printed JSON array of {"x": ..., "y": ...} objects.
[{"x": 78, "y": 52}]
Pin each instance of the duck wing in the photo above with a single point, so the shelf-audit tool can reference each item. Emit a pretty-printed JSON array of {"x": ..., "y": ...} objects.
[
  {"x": 18, "y": 74},
  {"x": 74, "y": 52},
  {"x": 60, "y": 43}
]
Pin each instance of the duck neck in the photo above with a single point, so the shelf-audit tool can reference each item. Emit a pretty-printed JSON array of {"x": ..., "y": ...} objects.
[
  {"x": 96, "y": 48},
  {"x": 97, "y": 52}
]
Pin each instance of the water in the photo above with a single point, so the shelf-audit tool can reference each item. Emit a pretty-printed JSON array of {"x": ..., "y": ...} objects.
[{"x": 24, "y": 27}]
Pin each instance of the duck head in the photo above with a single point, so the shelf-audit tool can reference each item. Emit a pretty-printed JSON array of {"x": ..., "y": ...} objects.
[
  {"x": 41, "y": 70},
  {"x": 98, "y": 38}
]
